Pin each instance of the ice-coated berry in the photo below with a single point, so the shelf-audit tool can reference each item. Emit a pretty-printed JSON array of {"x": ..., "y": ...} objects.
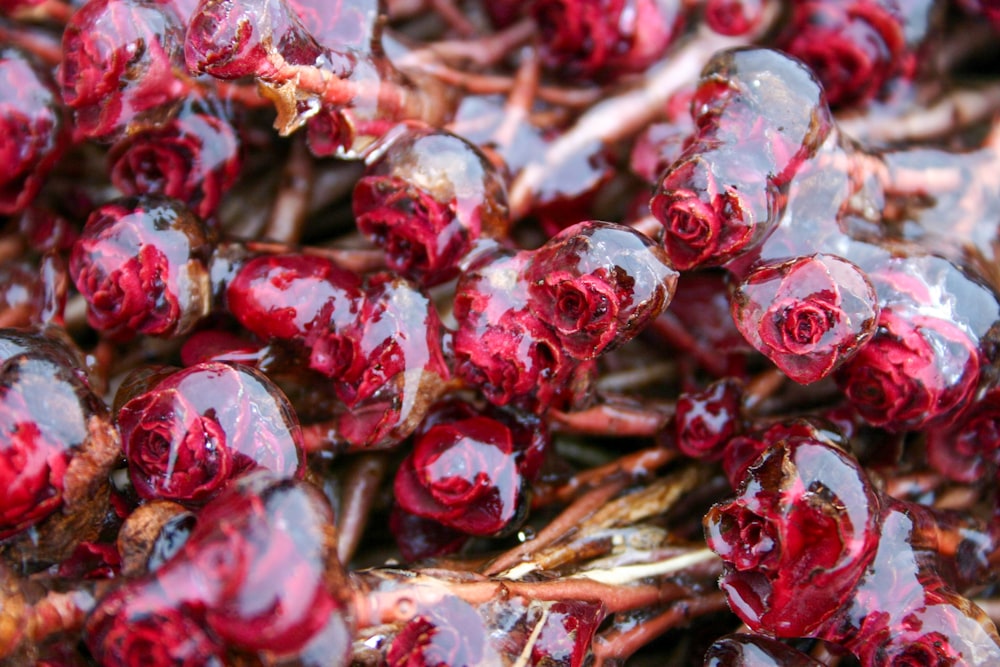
[
  {"x": 194, "y": 157},
  {"x": 426, "y": 198},
  {"x": 33, "y": 127},
  {"x": 141, "y": 265},
  {"x": 597, "y": 285},
  {"x": 195, "y": 430},
  {"x": 808, "y": 315},
  {"x": 797, "y": 538},
  {"x": 123, "y": 66},
  {"x": 293, "y": 296}
]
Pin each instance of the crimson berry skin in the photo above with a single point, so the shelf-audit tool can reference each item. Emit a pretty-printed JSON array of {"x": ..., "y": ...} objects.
[
  {"x": 605, "y": 38},
  {"x": 141, "y": 265},
  {"x": 194, "y": 157},
  {"x": 808, "y": 315},
  {"x": 597, "y": 285},
  {"x": 759, "y": 115},
  {"x": 449, "y": 633},
  {"x": 293, "y": 296},
  {"x": 464, "y": 475},
  {"x": 187, "y": 437},
  {"x": 704, "y": 421},
  {"x": 139, "y": 625},
  {"x": 798, "y": 537},
  {"x": 33, "y": 126},
  {"x": 388, "y": 365},
  {"x": 916, "y": 371},
  {"x": 122, "y": 66},
  {"x": 855, "y": 46},
  {"x": 427, "y": 197},
  {"x": 503, "y": 349}
]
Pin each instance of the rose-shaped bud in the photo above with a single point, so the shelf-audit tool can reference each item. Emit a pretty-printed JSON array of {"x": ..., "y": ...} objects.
[
  {"x": 141, "y": 265},
  {"x": 122, "y": 65},
  {"x": 231, "y": 39},
  {"x": 968, "y": 449},
  {"x": 855, "y": 47},
  {"x": 199, "y": 428},
  {"x": 140, "y": 624},
  {"x": 503, "y": 349},
  {"x": 597, "y": 285},
  {"x": 529, "y": 433},
  {"x": 797, "y": 538},
  {"x": 744, "y": 650},
  {"x": 33, "y": 128},
  {"x": 741, "y": 451},
  {"x": 57, "y": 448},
  {"x": 426, "y": 198},
  {"x": 388, "y": 365},
  {"x": 918, "y": 370},
  {"x": 808, "y": 315},
  {"x": 464, "y": 475},
  {"x": 348, "y": 25},
  {"x": 449, "y": 633},
  {"x": 904, "y": 614},
  {"x": 278, "y": 587},
  {"x": 704, "y": 421},
  {"x": 733, "y": 17},
  {"x": 708, "y": 220},
  {"x": 194, "y": 157},
  {"x": 605, "y": 38},
  {"x": 293, "y": 296}
]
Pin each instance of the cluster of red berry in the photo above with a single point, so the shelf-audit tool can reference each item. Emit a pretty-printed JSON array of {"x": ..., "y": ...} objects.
[{"x": 316, "y": 347}]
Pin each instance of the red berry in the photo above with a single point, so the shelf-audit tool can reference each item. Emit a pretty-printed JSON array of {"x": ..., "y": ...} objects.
[
  {"x": 33, "y": 126},
  {"x": 141, "y": 265},
  {"x": 188, "y": 436}
]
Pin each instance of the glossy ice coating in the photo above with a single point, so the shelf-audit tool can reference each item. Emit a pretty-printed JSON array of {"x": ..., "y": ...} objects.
[
  {"x": 140, "y": 264},
  {"x": 194, "y": 431}
]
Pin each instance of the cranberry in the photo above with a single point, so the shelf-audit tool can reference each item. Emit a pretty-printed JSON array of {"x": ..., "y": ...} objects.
[
  {"x": 597, "y": 284},
  {"x": 605, "y": 38},
  {"x": 425, "y": 199},
  {"x": 122, "y": 66},
  {"x": 293, "y": 296},
  {"x": 798, "y": 537},
  {"x": 195, "y": 430},
  {"x": 808, "y": 315},
  {"x": 33, "y": 127},
  {"x": 705, "y": 420},
  {"x": 194, "y": 157},
  {"x": 141, "y": 264},
  {"x": 464, "y": 475}
]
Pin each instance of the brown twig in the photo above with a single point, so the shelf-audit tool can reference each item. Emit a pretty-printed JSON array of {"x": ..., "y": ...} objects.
[
  {"x": 287, "y": 220},
  {"x": 620, "y": 643},
  {"x": 559, "y": 527},
  {"x": 357, "y": 496}
]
